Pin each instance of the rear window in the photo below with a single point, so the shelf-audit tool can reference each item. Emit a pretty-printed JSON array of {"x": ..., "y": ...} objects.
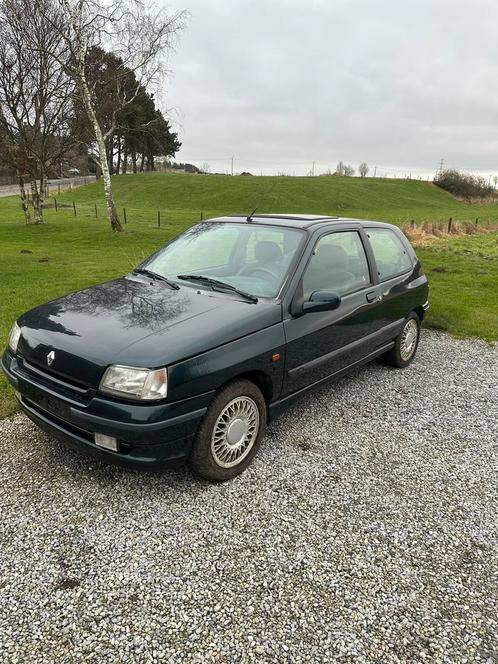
[{"x": 390, "y": 254}]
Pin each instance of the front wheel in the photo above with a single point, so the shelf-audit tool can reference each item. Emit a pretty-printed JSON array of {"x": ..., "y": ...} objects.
[
  {"x": 230, "y": 433},
  {"x": 406, "y": 344}
]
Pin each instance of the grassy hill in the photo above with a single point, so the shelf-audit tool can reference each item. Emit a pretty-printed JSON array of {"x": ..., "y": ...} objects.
[
  {"x": 68, "y": 252},
  {"x": 392, "y": 200}
]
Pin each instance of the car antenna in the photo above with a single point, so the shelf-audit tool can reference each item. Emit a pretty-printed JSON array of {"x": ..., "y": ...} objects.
[
  {"x": 267, "y": 193},
  {"x": 249, "y": 217}
]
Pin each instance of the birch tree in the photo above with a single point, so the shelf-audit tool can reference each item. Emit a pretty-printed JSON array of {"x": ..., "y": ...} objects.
[{"x": 139, "y": 36}]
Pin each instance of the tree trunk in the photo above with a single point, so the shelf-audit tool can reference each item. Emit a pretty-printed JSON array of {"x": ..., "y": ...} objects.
[
  {"x": 106, "y": 176},
  {"x": 42, "y": 189},
  {"x": 134, "y": 161},
  {"x": 35, "y": 198},
  {"x": 125, "y": 162},
  {"x": 142, "y": 161},
  {"x": 24, "y": 199},
  {"x": 110, "y": 153},
  {"x": 118, "y": 162}
]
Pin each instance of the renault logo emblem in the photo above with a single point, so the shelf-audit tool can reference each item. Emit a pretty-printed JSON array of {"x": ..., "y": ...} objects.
[{"x": 50, "y": 357}]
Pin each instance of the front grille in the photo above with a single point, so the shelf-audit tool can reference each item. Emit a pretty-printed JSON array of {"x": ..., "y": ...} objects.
[
  {"x": 81, "y": 394},
  {"x": 44, "y": 371}
]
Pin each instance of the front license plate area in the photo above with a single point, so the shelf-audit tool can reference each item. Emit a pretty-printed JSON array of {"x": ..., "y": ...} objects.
[{"x": 46, "y": 402}]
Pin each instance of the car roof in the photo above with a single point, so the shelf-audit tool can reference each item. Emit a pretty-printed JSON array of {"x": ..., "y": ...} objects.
[{"x": 295, "y": 220}]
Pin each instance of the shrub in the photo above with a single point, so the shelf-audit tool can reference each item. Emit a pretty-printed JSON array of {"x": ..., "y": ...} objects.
[{"x": 465, "y": 186}]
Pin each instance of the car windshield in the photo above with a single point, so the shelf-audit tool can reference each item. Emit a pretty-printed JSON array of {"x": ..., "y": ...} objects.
[{"x": 250, "y": 257}]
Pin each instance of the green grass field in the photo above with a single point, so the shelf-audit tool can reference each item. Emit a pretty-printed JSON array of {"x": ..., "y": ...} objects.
[{"x": 69, "y": 252}]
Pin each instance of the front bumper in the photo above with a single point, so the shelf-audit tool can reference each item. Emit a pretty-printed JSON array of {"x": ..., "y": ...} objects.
[{"x": 149, "y": 436}]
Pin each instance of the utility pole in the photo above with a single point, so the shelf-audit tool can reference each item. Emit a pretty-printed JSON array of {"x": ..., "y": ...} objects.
[
  {"x": 233, "y": 157},
  {"x": 313, "y": 170},
  {"x": 375, "y": 171},
  {"x": 441, "y": 163}
]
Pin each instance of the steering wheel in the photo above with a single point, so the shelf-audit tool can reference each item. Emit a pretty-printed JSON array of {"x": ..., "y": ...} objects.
[{"x": 251, "y": 271}]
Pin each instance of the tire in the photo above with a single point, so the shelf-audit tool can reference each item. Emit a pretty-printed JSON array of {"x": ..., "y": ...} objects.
[
  {"x": 399, "y": 356},
  {"x": 230, "y": 434}
]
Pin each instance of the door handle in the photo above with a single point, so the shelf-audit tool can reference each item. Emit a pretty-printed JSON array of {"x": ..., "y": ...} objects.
[{"x": 373, "y": 296}]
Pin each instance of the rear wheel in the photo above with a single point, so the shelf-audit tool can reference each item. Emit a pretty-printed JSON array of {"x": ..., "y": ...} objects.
[
  {"x": 230, "y": 433},
  {"x": 406, "y": 344}
]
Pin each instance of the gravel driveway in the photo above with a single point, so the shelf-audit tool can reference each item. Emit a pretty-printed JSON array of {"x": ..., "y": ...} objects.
[{"x": 366, "y": 531}]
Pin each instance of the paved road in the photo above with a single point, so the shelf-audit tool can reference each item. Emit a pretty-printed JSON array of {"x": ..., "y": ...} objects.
[
  {"x": 54, "y": 185},
  {"x": 366, "y": 531}
]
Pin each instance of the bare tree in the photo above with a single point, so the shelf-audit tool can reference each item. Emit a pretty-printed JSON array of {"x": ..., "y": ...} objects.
[
  {"x": 205, "y": 168},
  {"x": 363, "y": 169},
  {"x": 340, "y": 168},
  {"x": 138, "y": 35},
  {"x": 35, "y": 94},
  {"x": 348, "y": 170},
  {"x": 11, "y": 153}
]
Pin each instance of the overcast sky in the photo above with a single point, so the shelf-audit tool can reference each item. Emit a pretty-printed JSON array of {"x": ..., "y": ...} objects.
[{"x": 279, "y": 83}]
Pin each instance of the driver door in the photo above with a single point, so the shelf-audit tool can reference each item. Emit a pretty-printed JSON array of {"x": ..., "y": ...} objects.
[{"x": 320, "y": 344}]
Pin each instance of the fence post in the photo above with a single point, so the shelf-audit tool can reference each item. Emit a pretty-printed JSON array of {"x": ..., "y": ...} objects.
[
  {"x": 202, "y": 216},
  {"x": 96, "y": 215},
  {"x": 158, "y": 219},
  {"x": 55, "y": 204},
  {"x": 450, "y": 225},
  {"x": 74, "y": 208},
  {"x": 477, "y": 221},
  {"x": 124, "y": 214},
  {"x": 412, "y": 223}
]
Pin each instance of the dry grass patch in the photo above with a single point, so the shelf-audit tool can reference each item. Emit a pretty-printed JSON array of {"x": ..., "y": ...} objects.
[{"x": 429, "y": 232}]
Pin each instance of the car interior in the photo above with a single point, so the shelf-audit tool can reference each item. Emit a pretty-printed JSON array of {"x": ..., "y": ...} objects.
[{"x": 338, "y": 264}]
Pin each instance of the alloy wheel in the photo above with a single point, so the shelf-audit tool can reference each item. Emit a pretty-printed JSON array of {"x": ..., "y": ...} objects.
[
  {"x": 409, "y": 338},
  {"x": 235, "y": 432}
]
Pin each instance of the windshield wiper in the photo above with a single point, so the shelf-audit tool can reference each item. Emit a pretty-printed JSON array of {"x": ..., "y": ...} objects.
[
  {"x": 155, "y": 275},
  {"x": 214, "y": 283}
]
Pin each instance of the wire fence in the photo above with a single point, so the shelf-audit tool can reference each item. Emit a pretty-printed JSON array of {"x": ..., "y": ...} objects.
[
  {"x": 164, "y": 218},
  {"x": 128, "y": 215},
  {"x": 51, "y": 187}
]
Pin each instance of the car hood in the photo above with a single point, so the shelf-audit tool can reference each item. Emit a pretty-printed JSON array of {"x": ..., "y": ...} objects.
[{"x": 136, "y": 322}]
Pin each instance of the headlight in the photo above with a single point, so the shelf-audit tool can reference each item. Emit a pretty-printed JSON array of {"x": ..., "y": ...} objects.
[
  {"x": 14, "y": 336},
  {"x": 132, "y": 383}
]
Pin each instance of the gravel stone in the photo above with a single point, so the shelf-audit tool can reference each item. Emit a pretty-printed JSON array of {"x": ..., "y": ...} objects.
[{"x": 365, "y": 531}]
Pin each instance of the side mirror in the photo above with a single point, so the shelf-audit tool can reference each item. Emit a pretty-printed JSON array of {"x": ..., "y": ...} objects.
[{"x": 321, "y": 301}]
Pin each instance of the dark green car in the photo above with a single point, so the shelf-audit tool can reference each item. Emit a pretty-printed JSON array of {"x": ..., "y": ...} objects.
[{"x": 188, "y": 357}]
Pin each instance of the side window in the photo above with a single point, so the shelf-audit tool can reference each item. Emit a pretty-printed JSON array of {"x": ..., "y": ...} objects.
[
  {"x": 338, "y": 264},
  {"x": 390, "y": 254}
]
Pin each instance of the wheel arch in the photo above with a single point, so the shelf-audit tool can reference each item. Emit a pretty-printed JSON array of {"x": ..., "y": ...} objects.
[
  {"x": 259, "y": 378},
  {"x": 420, "y": 311}
]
